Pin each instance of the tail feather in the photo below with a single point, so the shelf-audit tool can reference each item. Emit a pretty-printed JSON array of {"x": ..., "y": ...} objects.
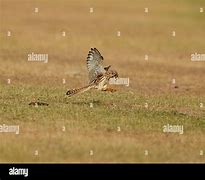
[{"x": 72, "y": 92}]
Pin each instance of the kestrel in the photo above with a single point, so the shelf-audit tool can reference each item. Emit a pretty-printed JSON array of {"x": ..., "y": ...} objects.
[{"x": 99, "y": 76}]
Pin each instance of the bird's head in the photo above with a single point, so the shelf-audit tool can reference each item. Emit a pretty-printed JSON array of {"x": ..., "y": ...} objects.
[{"x": 113, "y": 74}]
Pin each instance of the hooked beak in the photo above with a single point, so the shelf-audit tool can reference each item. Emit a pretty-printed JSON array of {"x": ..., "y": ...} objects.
[{"x": 116, "y": 76}]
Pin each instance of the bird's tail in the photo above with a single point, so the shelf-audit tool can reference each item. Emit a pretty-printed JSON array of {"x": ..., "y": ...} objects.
[{"x": 72, "y": 92}]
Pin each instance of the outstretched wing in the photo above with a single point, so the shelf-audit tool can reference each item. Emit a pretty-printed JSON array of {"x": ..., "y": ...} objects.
[{"x": 94, "y": 64}]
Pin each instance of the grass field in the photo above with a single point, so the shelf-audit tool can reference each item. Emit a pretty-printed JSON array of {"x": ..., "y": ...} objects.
[{"x": 118, "y": 128}]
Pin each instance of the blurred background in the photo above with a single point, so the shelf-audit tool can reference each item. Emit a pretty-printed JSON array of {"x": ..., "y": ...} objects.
[{"x": 141, "y": 34}]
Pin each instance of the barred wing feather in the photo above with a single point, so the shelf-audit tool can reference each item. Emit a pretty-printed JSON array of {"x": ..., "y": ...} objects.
[{"x": 94, "y": 64}]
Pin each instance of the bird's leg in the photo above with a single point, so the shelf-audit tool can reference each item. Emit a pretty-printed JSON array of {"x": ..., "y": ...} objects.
[{"x": 109, "y": 89}]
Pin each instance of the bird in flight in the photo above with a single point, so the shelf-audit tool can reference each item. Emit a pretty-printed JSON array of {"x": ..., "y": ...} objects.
[{"x": 99, "y": 76}]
